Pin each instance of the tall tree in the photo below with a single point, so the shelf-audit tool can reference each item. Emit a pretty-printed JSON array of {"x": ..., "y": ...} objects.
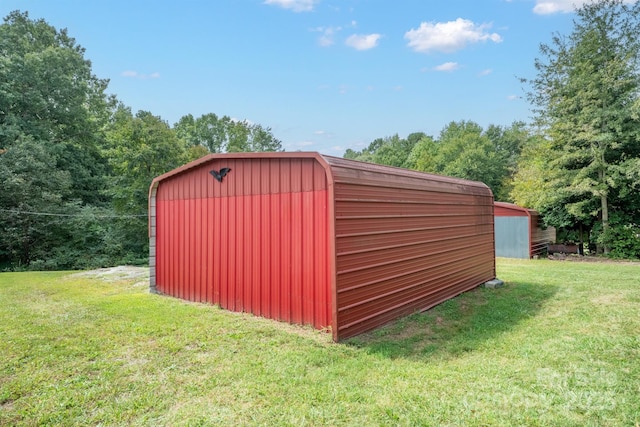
[
  {"x": 584, "y": 92},
  {"x": 508, "y": 143},
  {"x": 49, "y": 94},
  {"x": 31, "y": 187},
  {"x": 423, "y": 155},
  {"x": 139, "y": 148},
  {"x": 223, "y": 134},
  {"x": 465, "y": 152}
]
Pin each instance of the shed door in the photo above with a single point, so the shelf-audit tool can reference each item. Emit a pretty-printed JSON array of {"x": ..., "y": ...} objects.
[{"x": 512, "y": 236}]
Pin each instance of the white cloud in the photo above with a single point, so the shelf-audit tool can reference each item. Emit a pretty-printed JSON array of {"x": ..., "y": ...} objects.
[
  {"x": 327, "y": 37},
  {"x": 136, "y": 75},
  {"x": 449, "y": 36},
  {"x": 363, "y": 41},
  {"x": 447, "y": 66},
  {"x": 485, "y": 72},
  {"x": 294, "y": 5},
  {"x": 547, "y": 7},
  {"x": 328, "y": 33},
  {"x": 513, "y": 97}
]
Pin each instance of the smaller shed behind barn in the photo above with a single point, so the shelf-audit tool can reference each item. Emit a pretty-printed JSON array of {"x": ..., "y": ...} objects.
[
  {"x": 319, "y": 240},
  {"x": 519, "y": 232}
]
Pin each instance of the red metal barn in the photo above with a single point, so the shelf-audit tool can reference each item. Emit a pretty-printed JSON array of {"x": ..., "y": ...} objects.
[
  {"x": 519, "y": 233},
  {"x": 312, "y": 239}
]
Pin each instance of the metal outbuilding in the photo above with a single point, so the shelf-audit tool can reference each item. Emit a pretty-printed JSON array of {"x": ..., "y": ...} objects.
[
  {"x": 519, "y": 233},
  {"x": 319, "y": 240}
]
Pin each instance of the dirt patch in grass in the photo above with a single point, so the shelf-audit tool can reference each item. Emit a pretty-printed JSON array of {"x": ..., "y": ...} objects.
[
  {"x": 122, "y": 272},
  {"x": 590, "y": 258}
]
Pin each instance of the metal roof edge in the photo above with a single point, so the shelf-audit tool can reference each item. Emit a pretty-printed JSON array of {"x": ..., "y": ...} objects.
[
  {"x": 399, "y": 171},
  {"x": 328, "y": 162},
  {"x": 514, "y": 207}
]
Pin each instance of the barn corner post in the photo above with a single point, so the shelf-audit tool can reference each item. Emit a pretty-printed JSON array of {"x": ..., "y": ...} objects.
[
  {"x": 152, "y": 236},
  {"x": 332, "y": 243}
]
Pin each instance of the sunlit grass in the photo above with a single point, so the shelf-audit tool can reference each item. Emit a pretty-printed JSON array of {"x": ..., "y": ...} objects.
[{"x": 558, "y": 345}]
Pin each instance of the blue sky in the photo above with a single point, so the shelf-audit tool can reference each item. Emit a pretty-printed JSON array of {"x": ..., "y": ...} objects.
[{"x": 325, "y": 75}]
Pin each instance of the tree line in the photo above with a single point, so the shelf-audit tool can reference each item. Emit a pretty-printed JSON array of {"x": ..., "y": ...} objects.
[
  {"x": 578, "y": 162},
  {"x": 76, "y": 164}
]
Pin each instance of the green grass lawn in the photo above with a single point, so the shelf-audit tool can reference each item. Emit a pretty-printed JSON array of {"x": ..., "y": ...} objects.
[{"x": 558, "y": 345}]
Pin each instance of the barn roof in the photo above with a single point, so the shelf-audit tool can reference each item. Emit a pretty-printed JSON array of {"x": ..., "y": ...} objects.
[{"x": 358, "y": 171}]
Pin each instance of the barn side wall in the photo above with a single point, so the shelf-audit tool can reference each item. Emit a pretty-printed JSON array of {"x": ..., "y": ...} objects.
[
  {"x": 540, "y": 237},
  {"x": 406, "y": 242},
  {"x": 256, "y": 242}
]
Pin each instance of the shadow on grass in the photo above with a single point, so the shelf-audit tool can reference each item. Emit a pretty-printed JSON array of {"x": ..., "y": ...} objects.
[{"x": 459, "y": 325}]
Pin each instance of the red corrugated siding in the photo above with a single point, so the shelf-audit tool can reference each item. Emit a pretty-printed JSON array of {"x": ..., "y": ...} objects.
[
  {"x": 405, "y": 242},
  {"x": 319, "y": 240},
  {"x": 509, "y": 209},
  {"x": 256, "y": 243}
]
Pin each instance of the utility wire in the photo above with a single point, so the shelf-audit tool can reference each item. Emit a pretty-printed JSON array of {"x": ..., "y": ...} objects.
[{"x": 69, "y": 215}]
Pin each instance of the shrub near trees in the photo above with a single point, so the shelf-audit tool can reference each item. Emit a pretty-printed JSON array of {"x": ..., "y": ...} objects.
[{"x": 76, "y": 165}]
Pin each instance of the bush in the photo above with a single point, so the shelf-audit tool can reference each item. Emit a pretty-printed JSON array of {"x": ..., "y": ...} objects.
[{"x": 622, "y": 238}]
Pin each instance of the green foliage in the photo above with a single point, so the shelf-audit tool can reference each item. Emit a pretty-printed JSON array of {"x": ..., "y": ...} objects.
[
  {"x": 223, "y": 134},
  {"x": 49, "y": 94},
  {"x": 31, "y": 183},
  {"x": 423, "y": 154},
  {"x": 75, "y": 167},
  {"x": 585, "y": 93},
  {"x": 463, "y": 150},
  {"x": 138, "y": 148},
  {"x": 390, "y": 151},
  {"x": 622, "y": 237}
]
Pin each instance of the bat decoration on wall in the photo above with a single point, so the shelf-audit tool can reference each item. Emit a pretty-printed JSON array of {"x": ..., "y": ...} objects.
[{"x": 219, "y": 175}]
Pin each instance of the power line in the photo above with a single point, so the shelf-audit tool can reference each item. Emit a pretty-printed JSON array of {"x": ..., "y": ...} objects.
[{"x": 15, "y": 211}]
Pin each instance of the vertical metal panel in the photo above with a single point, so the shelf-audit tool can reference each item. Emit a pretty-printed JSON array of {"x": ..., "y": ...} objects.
[
  {"x": 244, "y": 244},
  {"x": 512, "y": 236},
  {"x": 405, "y": 241}
]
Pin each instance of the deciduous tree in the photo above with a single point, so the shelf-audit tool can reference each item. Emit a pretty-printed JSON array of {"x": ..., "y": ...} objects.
[{"x": 584, "y": 95}]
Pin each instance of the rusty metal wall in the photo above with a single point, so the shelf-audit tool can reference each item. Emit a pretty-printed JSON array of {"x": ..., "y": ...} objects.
[
  {"x": 256, "y": 242},
  {"x": 405, "y": 241}
]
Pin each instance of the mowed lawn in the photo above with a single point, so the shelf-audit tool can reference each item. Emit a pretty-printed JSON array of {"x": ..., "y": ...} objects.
[{"x": 558, "y": 345}]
